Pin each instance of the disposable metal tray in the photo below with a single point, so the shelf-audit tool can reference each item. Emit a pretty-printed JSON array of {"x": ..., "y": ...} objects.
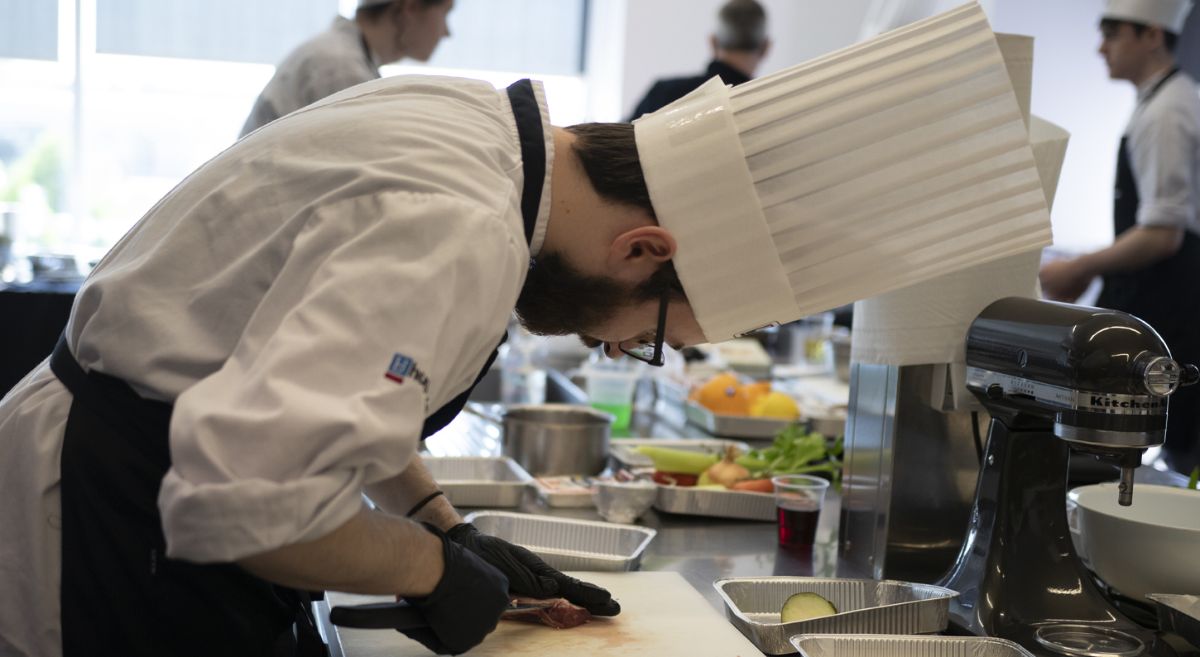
[
  {"x": 1179, "y": 614},
  {"x": 692, "y": 501},
  {"x": 568, "y": 544},
  {"x": 864, "y": 606},
  {"x": 492, "y": 481},
  {"x": 884, "y": 645},
  {"x": 733, "y": 426},
  {"x": 624, "y": 450}
]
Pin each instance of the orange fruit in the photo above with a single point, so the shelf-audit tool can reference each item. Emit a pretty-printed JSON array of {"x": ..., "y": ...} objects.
[
  {"x": 752, "y": 392},
  {"x": 720, "y": 395}
]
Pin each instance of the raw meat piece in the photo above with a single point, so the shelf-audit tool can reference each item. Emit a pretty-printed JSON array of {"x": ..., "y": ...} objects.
[{"x": 560, "y": 615}]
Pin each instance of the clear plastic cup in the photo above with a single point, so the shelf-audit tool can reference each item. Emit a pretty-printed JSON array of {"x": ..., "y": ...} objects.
[
  {"x": 798, "y": 502},
  {"x": 611, "y": 391}
]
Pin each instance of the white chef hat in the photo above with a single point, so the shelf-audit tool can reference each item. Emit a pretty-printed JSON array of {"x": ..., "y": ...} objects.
[
  {"x": 1167, "y": 14},
  {"x": 885, "y": 164}
]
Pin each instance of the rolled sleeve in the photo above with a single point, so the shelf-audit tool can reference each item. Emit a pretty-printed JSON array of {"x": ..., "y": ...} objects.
[{"x": 275, "y": 447}]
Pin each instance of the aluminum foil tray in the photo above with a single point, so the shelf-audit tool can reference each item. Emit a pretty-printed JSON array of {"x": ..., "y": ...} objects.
[
  {"x": 624, "y": 450},
  {"x": 691, "y": 501},
  {"x": 885, "y": 645},
  {"x": 864, "y": 606},
  {"x": 733, "y": 426},
  {"x": 495, "y": 481},
  {"x": 568, "y": 544},
  {"x": 1179, "y": 614}
]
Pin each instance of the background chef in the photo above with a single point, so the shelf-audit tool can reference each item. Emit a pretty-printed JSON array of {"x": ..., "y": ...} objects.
[
  {"x": 350, "y": 52},
  {"x": 1152, "y": 270}
]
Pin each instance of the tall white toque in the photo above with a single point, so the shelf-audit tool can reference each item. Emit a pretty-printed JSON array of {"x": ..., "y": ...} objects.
[
  {"x": 894, "y": 161},
  {"x": 1167, "y": 14}
]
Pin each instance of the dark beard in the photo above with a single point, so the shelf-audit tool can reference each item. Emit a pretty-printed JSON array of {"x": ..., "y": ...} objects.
[{"x": 559, "y": 300}]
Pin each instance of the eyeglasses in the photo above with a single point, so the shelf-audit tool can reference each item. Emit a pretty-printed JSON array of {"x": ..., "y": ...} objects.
[{"x": 652, "y": 351}]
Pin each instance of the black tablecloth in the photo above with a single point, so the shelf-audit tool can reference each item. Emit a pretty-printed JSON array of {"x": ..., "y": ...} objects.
[{"x": 31, "y": 318}]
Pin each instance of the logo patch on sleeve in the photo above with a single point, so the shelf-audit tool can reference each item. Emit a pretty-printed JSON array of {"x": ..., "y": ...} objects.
[{"x": 403, "y": 367}]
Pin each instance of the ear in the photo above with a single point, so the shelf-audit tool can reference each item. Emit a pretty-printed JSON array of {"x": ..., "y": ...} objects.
[
  {"x": 712, "y": 42},
  {"x": 637, "y": 253}
]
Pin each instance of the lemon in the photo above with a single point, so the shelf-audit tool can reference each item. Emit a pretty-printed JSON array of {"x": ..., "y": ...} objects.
[{"x": 777, "y": 405}]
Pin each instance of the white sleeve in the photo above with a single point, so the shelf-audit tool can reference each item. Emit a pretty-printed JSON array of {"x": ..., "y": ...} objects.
[
  {"x": 275, "y": 447},
  {"x": 1162, "y": 153}
]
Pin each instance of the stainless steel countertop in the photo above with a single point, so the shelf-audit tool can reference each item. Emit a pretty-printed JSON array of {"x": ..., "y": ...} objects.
[{"x": 702, "y": 549}]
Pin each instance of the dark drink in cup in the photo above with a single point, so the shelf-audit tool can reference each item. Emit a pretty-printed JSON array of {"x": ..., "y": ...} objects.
[
  {"x": 797, "y": 527},
  {"x": 798, "y": 500}
]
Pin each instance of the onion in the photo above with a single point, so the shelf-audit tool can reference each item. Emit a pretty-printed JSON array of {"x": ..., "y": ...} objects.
[{"x": 726, "y": 472}]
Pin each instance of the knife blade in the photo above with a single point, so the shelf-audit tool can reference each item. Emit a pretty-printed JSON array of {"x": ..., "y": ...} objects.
[{"x": 401, "y": 615}]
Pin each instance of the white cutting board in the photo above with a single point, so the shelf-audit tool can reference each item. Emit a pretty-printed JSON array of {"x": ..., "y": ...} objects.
[{"x": 661, "y": 614}]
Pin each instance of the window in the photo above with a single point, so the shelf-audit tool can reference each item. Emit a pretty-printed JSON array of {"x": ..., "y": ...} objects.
[{"x": 117, "y": 107}]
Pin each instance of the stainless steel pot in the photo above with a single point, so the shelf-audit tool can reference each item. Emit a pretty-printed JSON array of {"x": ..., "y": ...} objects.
[{"x": 553, "y": 439}]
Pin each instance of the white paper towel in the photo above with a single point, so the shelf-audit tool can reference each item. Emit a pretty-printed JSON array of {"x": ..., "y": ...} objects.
[{"x": 927, "y": 323}]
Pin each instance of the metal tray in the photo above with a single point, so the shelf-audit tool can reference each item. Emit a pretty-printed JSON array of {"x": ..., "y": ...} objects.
[
  {"x": 890, "y": 645},
  {"x": 564, "y": 499},
  {"x": 1179, "y": 614},
  {"x": 488, "y": 481},
  {"x": 733, "y": 426},
  {"x": 570, "y": 544},
  {"x": 716, "y": 503},
  {"x": 624, "y": 450},
  {"x": 866, "y": 606}
]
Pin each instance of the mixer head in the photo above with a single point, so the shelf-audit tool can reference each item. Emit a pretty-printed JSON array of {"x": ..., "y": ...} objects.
[{"x": 1101, "y": 377}]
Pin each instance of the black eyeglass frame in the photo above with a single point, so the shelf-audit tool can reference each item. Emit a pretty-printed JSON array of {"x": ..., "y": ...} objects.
[{"x": 657, "y": 358}]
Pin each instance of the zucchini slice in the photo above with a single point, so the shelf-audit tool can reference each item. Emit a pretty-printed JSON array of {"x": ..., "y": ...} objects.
[{"x": 804, "y": 606}]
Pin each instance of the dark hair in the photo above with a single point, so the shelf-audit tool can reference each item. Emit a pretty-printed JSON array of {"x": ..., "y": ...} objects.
[
  {"x": 372, "y": 13},
  {"x": 742, "y": 25},
  {"x": 608, "y": 152},
  {"x": 1170, "y": 39}
]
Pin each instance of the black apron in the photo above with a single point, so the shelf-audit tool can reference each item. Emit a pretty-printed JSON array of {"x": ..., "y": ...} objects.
[
  {"x": 1166, "y": 295},
  {"x": 120, "y": 593}
]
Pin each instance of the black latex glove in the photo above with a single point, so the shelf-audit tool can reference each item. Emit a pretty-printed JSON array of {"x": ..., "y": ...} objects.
[
  {"x": 466, "y": 604},
  {"x": 529, "y": 576}
]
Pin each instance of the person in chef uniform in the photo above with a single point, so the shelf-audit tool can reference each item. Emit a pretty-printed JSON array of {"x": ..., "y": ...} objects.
[
  {"x": 739, "y": 45},
  {"x": 350, "y": 52},
  {"x": 1152, "y": 270},
  {"x": 279, "y": 333}
]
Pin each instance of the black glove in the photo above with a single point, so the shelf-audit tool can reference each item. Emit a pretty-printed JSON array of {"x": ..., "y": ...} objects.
[
  {"x": 466, "y": 604},
  {"x": 529, "y": 576}
]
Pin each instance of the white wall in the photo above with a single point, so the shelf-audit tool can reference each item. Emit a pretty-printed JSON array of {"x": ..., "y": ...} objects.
[{"x": 642, "y": 40}]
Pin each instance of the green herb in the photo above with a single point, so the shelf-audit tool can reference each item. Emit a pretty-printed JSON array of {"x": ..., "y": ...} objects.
[
  {"x": 795, "y": 451},
  {"x": 1195, "y": 478}
]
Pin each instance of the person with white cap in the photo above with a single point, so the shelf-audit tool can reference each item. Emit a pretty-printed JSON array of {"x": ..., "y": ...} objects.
[
  {"x": 280, "y": 332},
  {"x": 739, "y": 45},
  {"x": 1152, "y": 269},
  {"x": 350, "y": 52}
]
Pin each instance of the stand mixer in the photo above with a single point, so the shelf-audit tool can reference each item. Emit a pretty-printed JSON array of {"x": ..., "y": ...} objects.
[{"x": 1054, "y": 377}]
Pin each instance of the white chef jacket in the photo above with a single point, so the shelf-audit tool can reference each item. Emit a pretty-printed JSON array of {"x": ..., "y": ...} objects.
[
  {"x": 1163, "y": 142},
  {"x": 274, "y": 297},
  {"x": 333, "y": 60}
]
